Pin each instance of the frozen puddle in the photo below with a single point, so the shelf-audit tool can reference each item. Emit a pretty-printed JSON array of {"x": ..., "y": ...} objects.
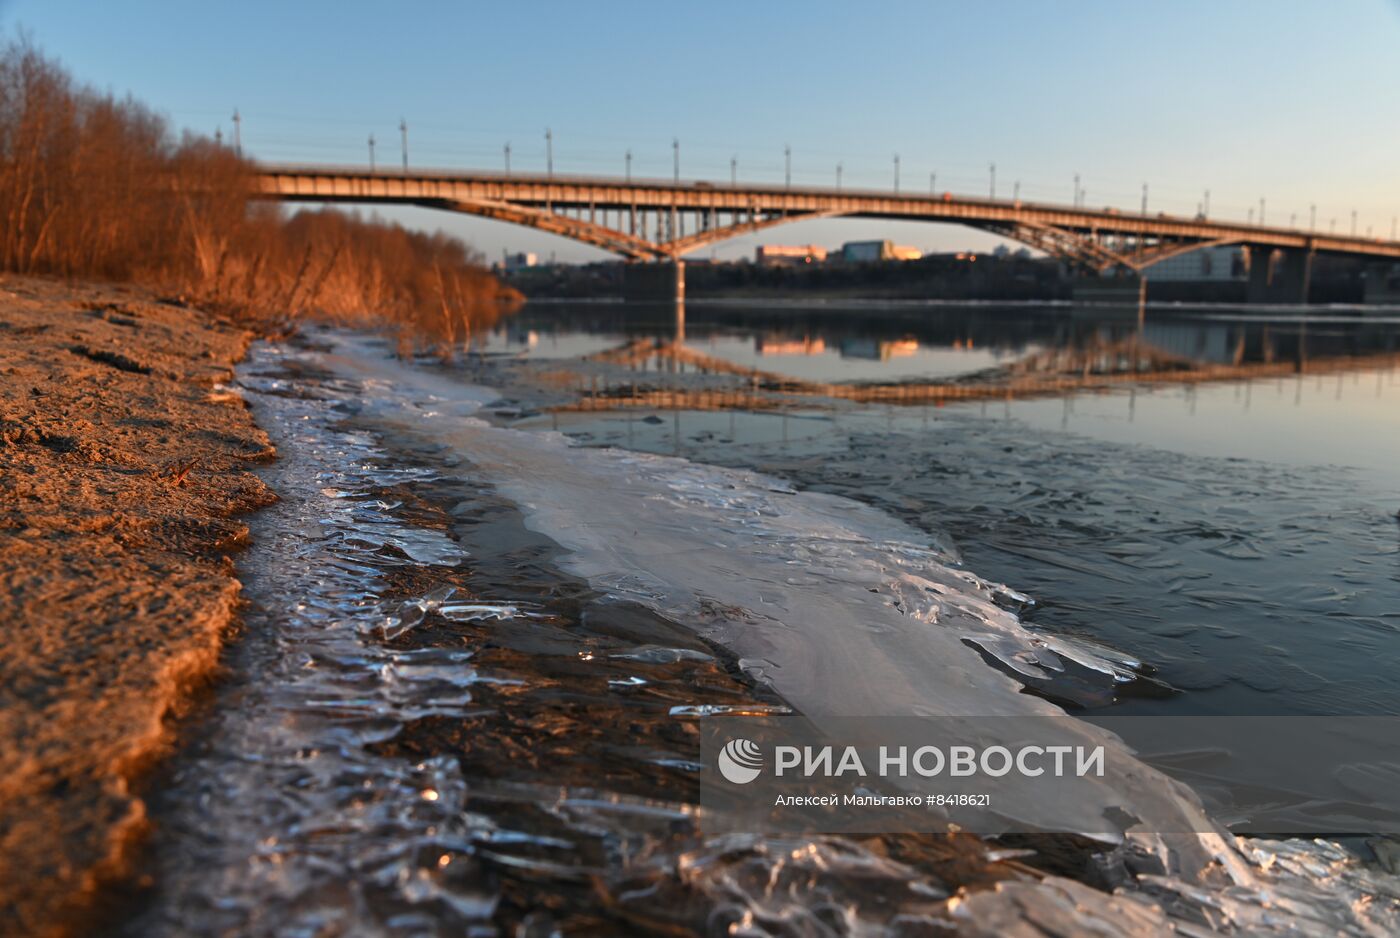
[{"x": 844, "y": 610}]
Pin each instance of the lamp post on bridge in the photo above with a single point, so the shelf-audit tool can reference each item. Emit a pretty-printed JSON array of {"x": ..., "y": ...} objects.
[
  {"x": 734, "y": 171},
  {"x": 1016, "y": 191},
  {"x": 896, "y": 174},
  {"x": 1312, "y": 217},
  {"x": 787, "y": 166},
  {"x": 1205, "y": 211},
  {"x": 549, "y": 151},
  {"x": 629, "y": 165},
  {"x": 994, "y": 180},
  {"x": 403, "y": 133},
  {"x": 1353, "y": 223},
  {"x": 838, "y": 177},
  {"x": 1075, "y": 203},
  {"x": 675, "y": 160},
  {"x": 1144, "y": 198},
  {"x": 1261, "y": 210},
  {"x": 371, "y": 152},
  {"x": 507, "y": 148},
  {"x": 933, "y": 183},
  {"x": 237, "y": 133}
]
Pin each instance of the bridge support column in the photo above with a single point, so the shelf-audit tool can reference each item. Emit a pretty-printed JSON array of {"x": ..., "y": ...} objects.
[
  {"x": 1261, "y": 274},
  {"x": 1282, "y": 276},
  {"x": 654, "y": 282},
  {"x": 1113, "y": 289}
]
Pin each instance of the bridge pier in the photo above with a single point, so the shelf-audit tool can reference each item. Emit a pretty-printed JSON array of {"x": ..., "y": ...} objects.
[
  {"x": 654, "y": 282},
  {"x": 1108, "y": 295},
  {"x": 1278, "y": 275}
]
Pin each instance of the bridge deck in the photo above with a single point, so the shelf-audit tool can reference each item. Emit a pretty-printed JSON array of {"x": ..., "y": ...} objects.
[{"x": 559, "y": 203}]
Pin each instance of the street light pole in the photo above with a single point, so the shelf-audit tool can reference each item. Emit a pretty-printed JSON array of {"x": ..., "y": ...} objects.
[
  {"x": 507, "y": 149},
  {"x": 896, "y": 174},
  {"x": 994, "y": 180},
  {"x": 676, "y": 159},
  {"x": 1312, "y": 217},
  {"x": 371, "y": 152},
  {"x": 403, "y": 132},
  {"x": 629, "y": 166},
  {"x": 838, "y": 177},
  {"x": 787, "y": 166},
  {"x": 734, "y": 171},
  {"x": 933, "y": 183},
  {"x": 549, "y": 151}
]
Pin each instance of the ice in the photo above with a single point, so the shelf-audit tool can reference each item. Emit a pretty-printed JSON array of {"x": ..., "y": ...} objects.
[
  {"x": 286, "y": 823},
  {"x": 861, "y": 614}
]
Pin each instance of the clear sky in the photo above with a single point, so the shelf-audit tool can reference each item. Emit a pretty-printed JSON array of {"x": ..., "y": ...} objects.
[{"x": 1294, "y": 102}]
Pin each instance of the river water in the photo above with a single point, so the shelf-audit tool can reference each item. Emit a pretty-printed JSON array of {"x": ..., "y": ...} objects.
[
  {"x": 478, "y": 649},
  {"x": 1239, "y": 536}
]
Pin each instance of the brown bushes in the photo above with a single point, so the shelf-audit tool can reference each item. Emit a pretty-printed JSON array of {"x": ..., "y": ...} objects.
[{"x": 94, "y": 186}]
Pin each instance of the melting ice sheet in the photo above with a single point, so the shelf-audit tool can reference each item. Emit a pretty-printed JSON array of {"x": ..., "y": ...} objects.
[{"x": 850, "y": 612}]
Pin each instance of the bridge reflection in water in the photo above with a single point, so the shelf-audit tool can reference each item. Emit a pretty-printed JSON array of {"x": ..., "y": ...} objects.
[{"x": 895, "y": 354}]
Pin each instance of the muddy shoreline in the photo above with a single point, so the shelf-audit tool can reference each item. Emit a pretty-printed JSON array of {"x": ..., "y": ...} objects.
[{"x": 124, "y": 469}]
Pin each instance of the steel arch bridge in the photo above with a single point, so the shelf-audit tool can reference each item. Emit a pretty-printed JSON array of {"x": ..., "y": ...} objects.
[{"x": 660, "y": 220}]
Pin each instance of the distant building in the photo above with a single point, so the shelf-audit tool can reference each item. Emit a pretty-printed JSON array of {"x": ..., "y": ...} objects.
[
  {"x": 861, "y": 252},
  {"x": 781, "y": 255},
  {"x": 1222, "y": 262},
  {"x": 519, "y": 261}
]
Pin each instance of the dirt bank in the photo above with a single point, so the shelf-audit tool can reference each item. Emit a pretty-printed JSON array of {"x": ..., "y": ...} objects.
[{"x": 123, "y": 466}]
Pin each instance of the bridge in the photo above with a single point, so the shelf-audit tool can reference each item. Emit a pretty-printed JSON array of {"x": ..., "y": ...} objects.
[{"x": 651, "y": 220}]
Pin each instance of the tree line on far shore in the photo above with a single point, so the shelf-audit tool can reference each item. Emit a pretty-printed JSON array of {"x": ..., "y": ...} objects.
[{"x": 97, "y": 186}]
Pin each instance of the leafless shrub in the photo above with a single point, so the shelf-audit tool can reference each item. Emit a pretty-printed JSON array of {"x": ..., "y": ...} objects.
[{"x": 95, "y": 186}]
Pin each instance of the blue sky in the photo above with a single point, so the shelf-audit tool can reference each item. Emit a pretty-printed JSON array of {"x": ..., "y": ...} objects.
[{"x": 1294, "y": 102}]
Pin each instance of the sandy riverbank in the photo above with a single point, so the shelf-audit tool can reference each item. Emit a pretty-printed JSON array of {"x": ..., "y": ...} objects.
[{"x": 123, "y": 468}]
